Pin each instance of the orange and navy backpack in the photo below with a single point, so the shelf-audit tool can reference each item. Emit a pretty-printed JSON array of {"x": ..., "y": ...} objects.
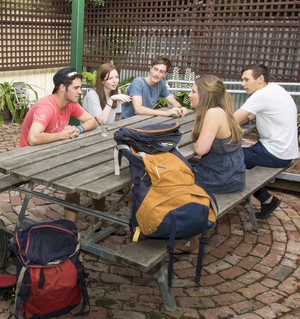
[{"x": 168, "y": 201}]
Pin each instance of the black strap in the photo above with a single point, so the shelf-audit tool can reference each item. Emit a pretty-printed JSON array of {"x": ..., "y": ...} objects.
[
  {"x": 202, "y": 242},
  {"x": 171, "y": 248},
  {"x": 21, "y": 297},
  {"x": 85, "y": 306}
]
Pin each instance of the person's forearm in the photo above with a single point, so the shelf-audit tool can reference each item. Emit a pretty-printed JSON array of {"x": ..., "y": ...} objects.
[
  {"x": 144, "y": 110},
  {"x": 241, "y": 116},
  {"x": 44, "y": 138},
  {"x": 89, "y": 124},
  {"x": 152, "y": 112},
  {"x": 103, "y": 117},
  {"x": 177, "y": 104}
]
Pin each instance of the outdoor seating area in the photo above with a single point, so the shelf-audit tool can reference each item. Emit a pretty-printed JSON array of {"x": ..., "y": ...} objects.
[
  {"x": 150, "y": 159},
  {"x": 243, "y": 272}
]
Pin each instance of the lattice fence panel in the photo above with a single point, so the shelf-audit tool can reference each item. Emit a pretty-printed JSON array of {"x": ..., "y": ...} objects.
[
  {"x": 213, "y": 36},
  {"x": 34, "y": 34},
  {"x": 236, "y": 33},
  {"x": 132, "y": 33}
]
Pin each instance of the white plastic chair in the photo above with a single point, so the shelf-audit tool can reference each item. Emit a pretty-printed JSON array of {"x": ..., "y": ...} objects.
[{"x": 22, "y": 97}]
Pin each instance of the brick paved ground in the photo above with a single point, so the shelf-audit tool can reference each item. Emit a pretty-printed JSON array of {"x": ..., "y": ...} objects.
[{"x": 245, "y": 275}]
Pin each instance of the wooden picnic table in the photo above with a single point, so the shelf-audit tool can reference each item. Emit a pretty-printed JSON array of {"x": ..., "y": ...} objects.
[{"x": 85, "y": 165}]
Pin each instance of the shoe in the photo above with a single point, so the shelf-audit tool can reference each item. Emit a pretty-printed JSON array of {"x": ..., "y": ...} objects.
[
  {"x": 267, "y": 209},
  {"x": 184, "y": 252}
]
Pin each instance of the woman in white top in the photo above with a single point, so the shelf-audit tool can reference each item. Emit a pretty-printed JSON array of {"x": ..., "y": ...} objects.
[
  {"x": 102, "y": 103},
  {"x": 105, "y": 100}
]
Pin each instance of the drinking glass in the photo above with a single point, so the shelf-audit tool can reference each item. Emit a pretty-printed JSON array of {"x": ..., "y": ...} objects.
[{"x": 104, "y": 128}]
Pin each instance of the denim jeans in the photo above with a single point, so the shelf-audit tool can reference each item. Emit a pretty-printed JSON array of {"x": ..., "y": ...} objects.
[{"x": 257, "y": 155}]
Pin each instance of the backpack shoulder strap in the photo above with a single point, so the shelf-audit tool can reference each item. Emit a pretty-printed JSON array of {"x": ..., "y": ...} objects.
[
  {"x": 151, "y": 139},
  {"x": 118, "y": 156},
  {"x": 17, "y": 293}
]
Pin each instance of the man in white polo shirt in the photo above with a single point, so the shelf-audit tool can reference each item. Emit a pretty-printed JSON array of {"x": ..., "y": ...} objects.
[{"x": 276, "y": 120}]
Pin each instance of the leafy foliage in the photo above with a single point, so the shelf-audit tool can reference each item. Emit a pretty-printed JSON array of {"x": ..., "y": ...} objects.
[
  {"x": 181, "y": 96},
  {"x": 124, "y": 84},
  {"x": 89, "y": 78},
  {"x": 6, "y": 98}
]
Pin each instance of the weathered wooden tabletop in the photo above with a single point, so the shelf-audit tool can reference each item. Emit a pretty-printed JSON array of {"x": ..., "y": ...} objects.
[{"x": 83, "y": 165}]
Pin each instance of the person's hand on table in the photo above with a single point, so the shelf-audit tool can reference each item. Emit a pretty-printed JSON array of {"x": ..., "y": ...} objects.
[
  {"x": 70, "y": 131},
  {"x": 178, "y": 111},
  {"x": 183, "y": 111}
]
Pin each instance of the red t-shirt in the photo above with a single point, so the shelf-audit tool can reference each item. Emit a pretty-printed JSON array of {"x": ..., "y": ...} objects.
[{"x": 46, "y": 112}]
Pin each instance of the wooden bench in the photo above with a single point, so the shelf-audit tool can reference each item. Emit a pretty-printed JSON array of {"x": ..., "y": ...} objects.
[
  {"x": 7, "y": 182},
  {"x": 149, "y": 255},
  {"x": 256, "y": 178}
]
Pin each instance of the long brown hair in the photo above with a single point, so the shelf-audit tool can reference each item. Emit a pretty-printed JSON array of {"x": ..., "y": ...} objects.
[
  {"x": 103, "y": 74},
  {"x": 212, "y": 93}
]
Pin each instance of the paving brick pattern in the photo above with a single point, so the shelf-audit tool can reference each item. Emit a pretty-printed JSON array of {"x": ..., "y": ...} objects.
[{"x": 245, "y": 275}]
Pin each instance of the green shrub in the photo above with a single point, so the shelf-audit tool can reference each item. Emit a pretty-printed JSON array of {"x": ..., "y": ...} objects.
[
  {"x": 181, "y": 96},
  {"x": 123, "y": 84},
  {"x": 89, "y": 78}
]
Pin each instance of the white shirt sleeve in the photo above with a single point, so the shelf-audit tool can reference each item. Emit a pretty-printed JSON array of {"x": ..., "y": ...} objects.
[{"x": 91, "y": 103}]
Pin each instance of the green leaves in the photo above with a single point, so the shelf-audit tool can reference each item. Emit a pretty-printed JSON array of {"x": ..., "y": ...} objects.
[
  {"x": 89, "y": 78},
  {"x": 6, "y": 98}
]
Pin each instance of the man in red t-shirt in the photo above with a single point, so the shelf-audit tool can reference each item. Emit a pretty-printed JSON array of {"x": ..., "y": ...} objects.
[{"x": 48, "y": 119}]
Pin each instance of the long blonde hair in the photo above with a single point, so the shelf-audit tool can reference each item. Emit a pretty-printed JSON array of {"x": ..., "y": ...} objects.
[{"x": 212, "y": 93}]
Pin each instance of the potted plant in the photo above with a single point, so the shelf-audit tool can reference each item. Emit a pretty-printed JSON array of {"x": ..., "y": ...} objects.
[{"x": 6, "y": 100}]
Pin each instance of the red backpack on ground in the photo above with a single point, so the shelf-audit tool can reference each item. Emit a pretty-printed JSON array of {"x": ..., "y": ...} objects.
[
  {"x": 7, "y": 285},
  {"x": 51, "y": 279},
  {"x": 7, "y": 281}
]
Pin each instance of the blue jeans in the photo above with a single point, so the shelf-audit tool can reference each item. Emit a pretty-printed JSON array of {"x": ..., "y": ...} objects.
[{"x": 257, "y": 155}]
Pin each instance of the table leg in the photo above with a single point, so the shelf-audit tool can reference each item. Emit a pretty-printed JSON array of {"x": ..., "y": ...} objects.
[
  {"x": 162, "y": 277},
  {"x": 24, "y": 207},
  {"x": 251, "y": 214}
]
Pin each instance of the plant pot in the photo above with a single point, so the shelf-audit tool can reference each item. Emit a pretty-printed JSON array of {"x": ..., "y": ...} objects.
[{"x": 7, "y": 117}]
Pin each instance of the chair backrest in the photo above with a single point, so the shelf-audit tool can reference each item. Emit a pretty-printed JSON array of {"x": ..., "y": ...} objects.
[
  {"x": 84, "y": 90},
  {"x": 22, "y": 95}
]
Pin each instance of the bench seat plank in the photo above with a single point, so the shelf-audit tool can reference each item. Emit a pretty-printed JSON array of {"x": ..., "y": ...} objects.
[
  {"x": 256, "y": 178},
  {"x": 8, "y": 181},
  {"x": 143, "y": 255},
  {"x": 146, "y": 254}
]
